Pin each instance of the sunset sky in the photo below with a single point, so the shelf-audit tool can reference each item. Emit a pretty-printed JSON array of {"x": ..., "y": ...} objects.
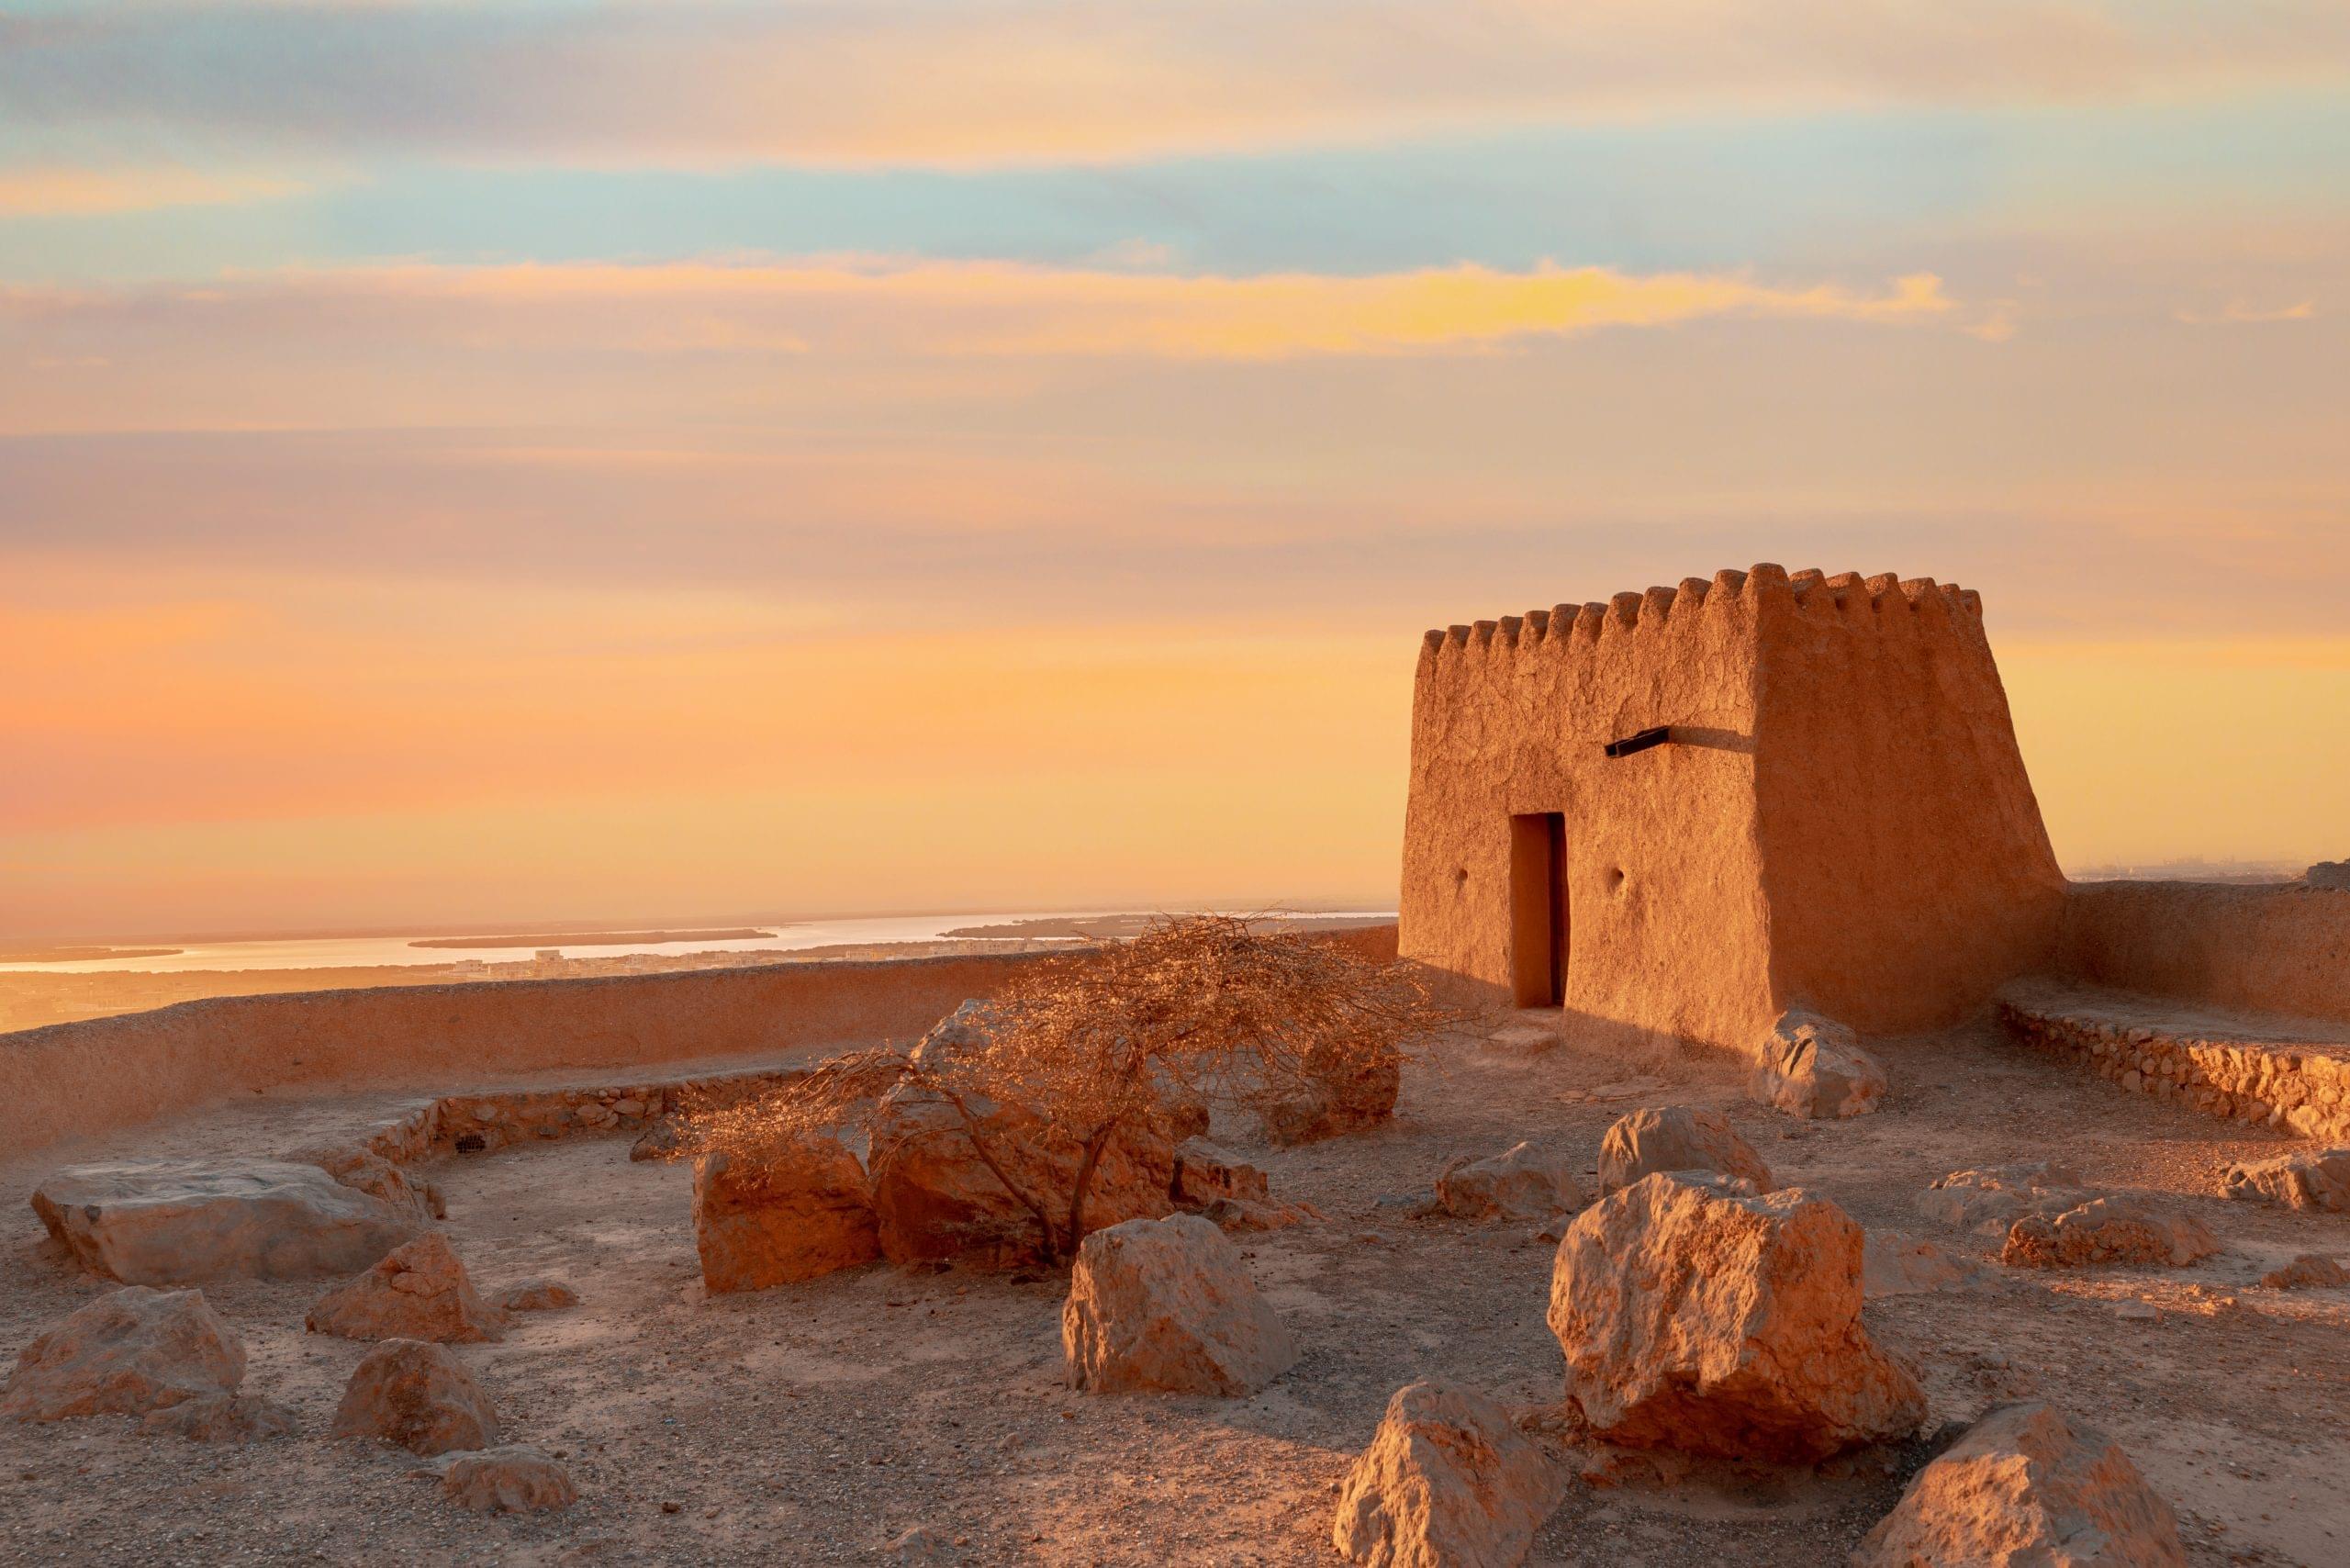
[{"x": 545, "y": 460}]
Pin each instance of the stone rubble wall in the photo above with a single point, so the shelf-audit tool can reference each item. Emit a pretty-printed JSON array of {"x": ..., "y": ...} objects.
[
  {"x": 2302, "y": 1089},
  {"x": 497, "y": 1118}
]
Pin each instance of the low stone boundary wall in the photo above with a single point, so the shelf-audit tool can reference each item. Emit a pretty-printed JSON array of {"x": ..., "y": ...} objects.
[
  {"x": 493, "y": 1119},
  {"x": 2299, "y": 1086},
  {"x": 2281, "y": 948},
  {"x": 66, "y": 1081}
]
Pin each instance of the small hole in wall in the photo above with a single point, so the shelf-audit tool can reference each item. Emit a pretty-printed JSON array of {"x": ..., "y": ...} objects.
[
  {"x": 1460, "y": 874},
  {"x": 1614, "y": 878}
]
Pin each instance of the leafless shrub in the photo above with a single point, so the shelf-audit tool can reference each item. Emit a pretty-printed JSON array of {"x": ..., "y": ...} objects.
[{"x": 1197, "y": 1011}]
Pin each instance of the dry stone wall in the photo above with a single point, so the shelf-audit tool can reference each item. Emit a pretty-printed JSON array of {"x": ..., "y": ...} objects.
[{"x": 2302, "y": 1087}]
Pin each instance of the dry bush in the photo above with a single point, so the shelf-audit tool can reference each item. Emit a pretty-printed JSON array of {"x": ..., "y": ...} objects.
[{"x": 1129, "y": 1039}]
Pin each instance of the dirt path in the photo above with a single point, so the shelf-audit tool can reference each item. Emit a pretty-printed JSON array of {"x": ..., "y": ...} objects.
[{"x": 818, "y": 1423}]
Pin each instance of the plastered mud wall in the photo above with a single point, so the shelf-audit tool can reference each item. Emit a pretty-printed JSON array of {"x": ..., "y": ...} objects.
[
  {"x": 68, "y": 1079},
  {"x": 1667, "y": 930},
  {"x": 1908, "y": 872},
  {"x": 2279, "y": 949},
  {"x": 1842, "y": 818}
]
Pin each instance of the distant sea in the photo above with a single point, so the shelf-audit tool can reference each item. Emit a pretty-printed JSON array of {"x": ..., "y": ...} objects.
[{"x": 335, "y": 952}]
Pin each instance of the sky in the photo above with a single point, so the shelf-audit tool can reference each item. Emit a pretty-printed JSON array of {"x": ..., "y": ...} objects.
[{"x": 545, "y": 459}]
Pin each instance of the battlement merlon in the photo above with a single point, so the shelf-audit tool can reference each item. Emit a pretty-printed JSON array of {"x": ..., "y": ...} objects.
[{"x": 1846, "y": 598}]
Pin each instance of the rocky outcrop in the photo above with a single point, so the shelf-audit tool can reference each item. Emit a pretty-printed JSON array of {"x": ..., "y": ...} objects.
[
  {"x": 1988, "y": 1202},
  {"x": 2123, "y": 1228},
  {"x": 2307, "y": 1179},
  {"x": 1167, "y": 1306},
  {"x": 2026, "y": 1486},
  {"x": 1812, "y": 1066},
  {"x": 125, "y": 1354},
  {"x": 221, "y": 1418},
  {"x": 513, "y": 1479},
  {"x": 2333, "y": 875},
  {"x": 935, "y": 1199},
  {"x": 417, "y": 1291},
  {"x": 1676, "y": 1138},
  {"x": 797, "y": 1210},
  {"x": 1907, "y": 1265},
  {"x": 538, "y": 1295},
  {"x": 1520, "y": 1183},
  {"x": 418, "y": 1396},
  {"x": 165, "y": 1222},
  {"x": 2308, "y": 1272},
  {"x": 1447, "y": 1483},
  {"x": 1698, "y": 1314}
]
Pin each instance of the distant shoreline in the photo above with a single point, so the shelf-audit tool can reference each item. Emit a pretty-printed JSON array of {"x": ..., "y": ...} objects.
[
  {"x": 85, "y": 955},
  {"x": 595, "y": 938}
]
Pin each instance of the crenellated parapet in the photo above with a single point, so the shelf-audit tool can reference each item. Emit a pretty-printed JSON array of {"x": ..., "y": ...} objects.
[{"x": 1883, "y": 605}]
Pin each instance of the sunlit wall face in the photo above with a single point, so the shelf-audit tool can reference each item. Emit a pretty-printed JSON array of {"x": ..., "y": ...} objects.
[{"x": 551, "y": 459}]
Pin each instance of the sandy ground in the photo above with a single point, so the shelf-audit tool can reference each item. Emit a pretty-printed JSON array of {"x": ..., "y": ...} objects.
[{"x": 818, "y": 1423}]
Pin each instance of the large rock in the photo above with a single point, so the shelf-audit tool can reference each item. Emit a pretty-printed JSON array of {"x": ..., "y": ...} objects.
[
  {"x": 2024, "y": 1488},
  {"x": 1815, "y": 1067},
  {"x": 1675, "y": 1138},
  {"x": 514, "y": 1479},
  {"x": 171, "y": 1222},
  {"x": 417, "y": 1291},
  {"x": 1520, "y": 1183},
  {"x": 1168, "y": 1305},
  {"x": 1988, "y": 1202},
  {"x": 418, "y": 1396},
  {"x": 2307, "y": 1272},
  {"x": 1447, "y": 1483},
  {"x": 221, "y": 1418},
  {"x": 1205, "y": 1173},
  {"x": 2307, "y": 1179},
  {"x": 1698, "y": 1314},
  {"x": 364, "y": 1170},
  {"x": 798, "y": 1210},
  {"x": 2125, "y": 1228},
  {"x": 935, "y": 1199},
  {"x": 125, "y": 1354}
]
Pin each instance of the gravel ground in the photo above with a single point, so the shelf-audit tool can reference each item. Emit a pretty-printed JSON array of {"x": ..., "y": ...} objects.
[{"x": 820, "y": 1423}]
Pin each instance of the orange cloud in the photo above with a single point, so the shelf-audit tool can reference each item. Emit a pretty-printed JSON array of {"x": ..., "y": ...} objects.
[{"x": 65, "y": 190}]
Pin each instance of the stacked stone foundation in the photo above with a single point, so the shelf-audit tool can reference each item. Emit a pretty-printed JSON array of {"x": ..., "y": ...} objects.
[{"x": 2302, "y": 1089}]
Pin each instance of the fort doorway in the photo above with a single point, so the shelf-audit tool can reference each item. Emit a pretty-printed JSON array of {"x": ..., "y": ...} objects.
[{"x": 1538, "y": 909}]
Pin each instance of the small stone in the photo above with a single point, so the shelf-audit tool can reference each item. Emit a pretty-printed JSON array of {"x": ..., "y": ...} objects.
[
  {"x": 1812, "y": 1066},
  {"x": 514, "y": 1479},
  {"x": 2136, "y": 1310},
  {"x": 1676, "y": 1138},
  {"x": 418, "y": 1396},
  {"x": 2121, "y": 1229},
  {"x": 418, "y": 1291},
  {"x": 2308, "y": 1272},
  {"x": 539, "y": 1295},
  {"x": 1521, "y": 1182},
  {"x": 222, "y": 1418},
  {"x": 2309, "y": 1178}
]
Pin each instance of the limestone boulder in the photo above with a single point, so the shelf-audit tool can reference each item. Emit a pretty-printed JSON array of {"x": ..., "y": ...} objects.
[
  {"x": 1676, "y": 1138},
  {"x": 1698, "y": 1314},
  {"x": 1812, "y": 1066},
  {"x": 2307, "y": 1179},
  {"x": 1910, "y": 1265},
  {"x": 1168, "y": 1305},
  {"x": 511, "y": 1479},
  {"x": 161, "y": 1221},
  {"x": 2026, "y": 1486},
  {"x": 418, "y": 1396},
  {"x": 936, "y": 1197},
  {"x": 1205, "y": 1173},
  {"x": 1988, "y": 1202},
  {"x": 1345, "y": 1091},
  {"x": 1447, "y": 1481},
  {"x": 2125, "y": 1228},
  {"x": 126, "y": 1353},
  {"x": 221, "y": 1418},
  {"x": 417, "y": 1291},
  {"x": 538, "y": 1295},
  {"x": 796, "y": 1210},
  {"x": 1520, "y": 1183},
  {"x": 2308, "y": 1272}
]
